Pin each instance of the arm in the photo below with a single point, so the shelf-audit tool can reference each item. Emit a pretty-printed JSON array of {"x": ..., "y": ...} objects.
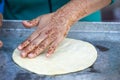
[
  {"x": 77, "y": 9},
  {"x": 53, "y": 28}
]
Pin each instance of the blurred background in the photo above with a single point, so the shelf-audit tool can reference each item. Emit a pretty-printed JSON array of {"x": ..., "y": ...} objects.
[
  {"x": 109, "y": 14},
  {"x": 112, "y": 12}
]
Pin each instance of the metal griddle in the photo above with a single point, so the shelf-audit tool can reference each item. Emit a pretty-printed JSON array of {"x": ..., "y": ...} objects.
[{"x": 104, "y": 36}]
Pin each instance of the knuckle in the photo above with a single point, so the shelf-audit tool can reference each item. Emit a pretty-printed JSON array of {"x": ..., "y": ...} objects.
[
  {"x": 48, "y": 32},
  {"x": 42, "y": 46},
  {"x": 51, "y": 31},
  {"x": 52, "y": 48},
  {"x": 36, "y": 33},
  {"x": 26, "y": 50},
  {"x": 38, "y": 50},
  {"x": 35, "y": 21},
  {"x": 29, "y": 39},
  {"x": 65, "y": 34},
  {"x": 30, "y": 47},
  {"x": 25, "y": 43},
  {"x": 53, "y": 37}
]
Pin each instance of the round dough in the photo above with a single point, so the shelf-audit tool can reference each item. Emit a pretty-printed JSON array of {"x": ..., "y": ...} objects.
[{"x": 70, "y": 56}]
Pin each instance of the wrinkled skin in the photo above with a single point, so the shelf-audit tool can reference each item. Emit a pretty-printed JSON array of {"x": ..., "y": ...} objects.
[
  {"x": 1, "y": 44},
  {"x": 51, "y": 30}
]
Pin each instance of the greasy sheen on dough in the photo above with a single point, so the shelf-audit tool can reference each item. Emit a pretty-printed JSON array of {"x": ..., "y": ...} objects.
[{"x": 70, "y": 56}]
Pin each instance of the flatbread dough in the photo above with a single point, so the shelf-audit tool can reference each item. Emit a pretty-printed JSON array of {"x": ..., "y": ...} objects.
[{"x": 71, "y": 56}]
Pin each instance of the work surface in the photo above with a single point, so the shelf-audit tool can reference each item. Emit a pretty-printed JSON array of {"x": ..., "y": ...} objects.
[{"x": 104, "y": 36}]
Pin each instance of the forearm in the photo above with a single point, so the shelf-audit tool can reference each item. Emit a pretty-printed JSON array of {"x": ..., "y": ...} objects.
[{"x": 77, "y": 9}]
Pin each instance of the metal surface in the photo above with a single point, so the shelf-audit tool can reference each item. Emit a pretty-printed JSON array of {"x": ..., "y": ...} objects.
[{"x": 105, "y": 36}]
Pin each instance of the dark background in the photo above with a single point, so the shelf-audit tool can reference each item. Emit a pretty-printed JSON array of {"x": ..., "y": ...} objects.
[{"x": 112, "y": 13}]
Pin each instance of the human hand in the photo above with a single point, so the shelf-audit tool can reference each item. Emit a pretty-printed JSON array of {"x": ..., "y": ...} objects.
[
  {"x": 51, "y": 30},
  {"x": 1, "y": 17}
]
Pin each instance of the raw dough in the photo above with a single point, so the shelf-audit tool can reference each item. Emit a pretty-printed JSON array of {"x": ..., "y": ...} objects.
[{"x": 71, "y": 56}]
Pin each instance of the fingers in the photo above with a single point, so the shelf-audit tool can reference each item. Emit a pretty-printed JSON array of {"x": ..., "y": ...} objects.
[
  {"x": 35, "y": 38},
  {"x": 1, "y": 44},
  {"x": 39, "y": 44},
  {"x": 33, "y": 45},
  {"x": 41, "y": 21},
  {"x": 53, "y": 46},
  {"x": 29, "y": 39},
  {"x": 40, "y": 48},
  {"x": 30, "y": 24}
]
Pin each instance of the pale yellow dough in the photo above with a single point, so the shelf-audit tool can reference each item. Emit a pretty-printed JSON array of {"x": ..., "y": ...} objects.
[{"x": 71, "y": 56}]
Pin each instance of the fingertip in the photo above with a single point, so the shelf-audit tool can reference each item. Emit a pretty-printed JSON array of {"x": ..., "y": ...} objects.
[
  {"x": 19, "y": 47},
  {"x": 27, "y": 24},
  {"x": 48, "y": 55},
  {"x": 23, "y": 54},
  {"x": 24, "y": 22},
  {"x": 31, "y": 55}
]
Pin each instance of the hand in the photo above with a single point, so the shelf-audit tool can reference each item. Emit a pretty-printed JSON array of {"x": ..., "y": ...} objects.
[
  {"x": 51, "y": 30},
  {"x": 1, "y": 17}
]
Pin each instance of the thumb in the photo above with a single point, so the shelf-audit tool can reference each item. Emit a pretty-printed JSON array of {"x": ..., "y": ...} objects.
[{"x": 32, "y": 23}]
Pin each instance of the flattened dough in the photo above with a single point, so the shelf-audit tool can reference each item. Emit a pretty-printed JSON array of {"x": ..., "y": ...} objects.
[{"x": 71, "y": 56}]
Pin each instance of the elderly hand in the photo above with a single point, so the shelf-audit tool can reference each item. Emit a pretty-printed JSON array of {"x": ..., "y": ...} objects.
[
  {"x": 52, "y": 29},
  {"x": 1, "y": 17}
]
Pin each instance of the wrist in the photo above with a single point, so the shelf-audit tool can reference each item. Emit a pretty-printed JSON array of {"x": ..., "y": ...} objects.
[
  {"x": 77, "y": 9},
  {"x": 71, "y": 13}
]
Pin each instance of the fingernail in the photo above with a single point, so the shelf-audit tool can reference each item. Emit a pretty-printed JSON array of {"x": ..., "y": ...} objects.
[
  {"x": 31, "y": 55},
  {"x": 48, "y": 55},
  {"x": 19, "y": 47},
  {"x": 23, "y": 54}
]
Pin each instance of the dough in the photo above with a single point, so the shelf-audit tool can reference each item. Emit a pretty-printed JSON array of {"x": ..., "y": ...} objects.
[{"x": 71, "y": 56}]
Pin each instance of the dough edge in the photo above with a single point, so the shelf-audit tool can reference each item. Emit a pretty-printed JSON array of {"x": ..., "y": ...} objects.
[{"x": 57, "y": 73}]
